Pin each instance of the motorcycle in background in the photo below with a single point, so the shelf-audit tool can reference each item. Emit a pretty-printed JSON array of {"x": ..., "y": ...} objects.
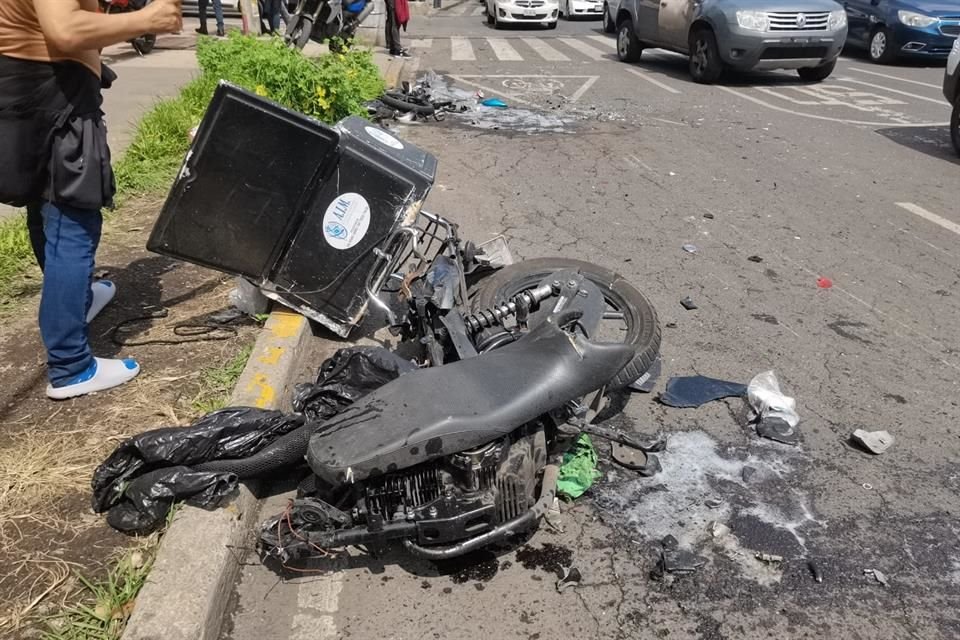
[
  {"x": 142, "y": 44},
  {"x": 331, "y": 21}
]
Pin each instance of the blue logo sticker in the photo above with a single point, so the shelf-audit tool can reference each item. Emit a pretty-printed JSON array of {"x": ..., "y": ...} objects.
[{"x": 335, "y": 230}]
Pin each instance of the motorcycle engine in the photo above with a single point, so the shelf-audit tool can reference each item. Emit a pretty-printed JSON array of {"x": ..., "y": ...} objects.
[{"x": 464, "y": 494}]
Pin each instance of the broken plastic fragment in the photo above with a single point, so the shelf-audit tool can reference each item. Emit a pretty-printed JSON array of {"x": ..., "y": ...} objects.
[
  {"x": 690, "y": 248},
  {"x": 714, "y": 503},
  {"x": 688, "y": 304},
  {"x": 873, "y": 441},
  {"x": 692, "y": 391},
  {"x": 718, "y": 529},
  {"x": 877, "y": 575},
  {"x": 755, "y": 259},
  {"x": 824, "y": 283},
  {"x": 680, "y": 561},
  {"x": 769, "y": 558},
  {"x": 571, "y": 578},
  {"x": 494, "y": 102}
]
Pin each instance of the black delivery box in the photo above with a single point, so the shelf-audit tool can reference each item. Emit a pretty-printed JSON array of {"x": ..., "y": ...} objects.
[{"x": 291, "y": 204}]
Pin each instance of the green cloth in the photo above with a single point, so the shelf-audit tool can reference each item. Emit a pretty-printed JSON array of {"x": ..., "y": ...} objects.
[{"x": 579, "y": 469}]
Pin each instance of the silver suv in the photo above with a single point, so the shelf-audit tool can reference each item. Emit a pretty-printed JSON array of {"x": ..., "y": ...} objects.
[{"x": 806, "y": 35}]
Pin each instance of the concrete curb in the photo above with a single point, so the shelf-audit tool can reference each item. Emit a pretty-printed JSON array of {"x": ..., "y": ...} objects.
[{"x": 197, "y": 565}]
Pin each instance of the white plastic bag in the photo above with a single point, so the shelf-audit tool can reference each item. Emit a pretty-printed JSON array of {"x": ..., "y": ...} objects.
[{"x": 768, "y": 401}]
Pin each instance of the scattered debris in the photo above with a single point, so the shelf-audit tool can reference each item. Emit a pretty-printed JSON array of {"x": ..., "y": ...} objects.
[
  {"x": 496, "y": 103},
  {"x": 769, "y": 558},
  {"x": 755, "y": 259},
  {"x": 875, "y": 442},
  {"x": 571, "y": 578},
  {"x": 671, "y": 325},
  {"x": 579, "y": 469},
  {"x": 646, "y": 382},
  {"x": 708, "y": 216},
  {"x": 824, "y": 283},
  {"x": 553, "y": 517},
  {"x": 679, "y": 561},
  {"x": 688, "y": 304},
  {"x": 669, "y": 542},
  {"x": 747, "y": 473},
  {"x": 815, "y": 571},
  {"x": 690, "y": 248},
  {"x": 867, "y": 486},
  {"x": 718, "y": 529},
  {"x": 693, "y": 391},
  {"x": 646, "y": 464},
  {"x": 773, "y": 413},
  {"x": 714, "y": 503},
  {"x": 877, "y": 575}
]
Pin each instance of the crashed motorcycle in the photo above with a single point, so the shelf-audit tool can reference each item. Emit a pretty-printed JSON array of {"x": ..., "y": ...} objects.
[
  {"x": 331, "y": 21},
  {"x": 142, "y": 44},
  {"x": 464, "y": 451}
]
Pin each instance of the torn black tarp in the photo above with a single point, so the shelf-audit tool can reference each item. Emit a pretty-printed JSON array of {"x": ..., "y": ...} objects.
[
  {"x": 347, "y": 376},
  {"x": 693, "y": 391},
  {"x": 146, "y": 473}
]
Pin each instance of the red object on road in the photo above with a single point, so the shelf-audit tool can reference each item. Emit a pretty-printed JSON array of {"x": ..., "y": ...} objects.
[{"x": 824, "y": 283}]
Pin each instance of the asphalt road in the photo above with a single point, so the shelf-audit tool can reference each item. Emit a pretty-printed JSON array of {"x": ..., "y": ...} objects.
[{"x": 852, "y": 180}]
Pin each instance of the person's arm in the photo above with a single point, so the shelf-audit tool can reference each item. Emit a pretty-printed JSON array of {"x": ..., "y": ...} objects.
[{"x": 71, "y": 28}]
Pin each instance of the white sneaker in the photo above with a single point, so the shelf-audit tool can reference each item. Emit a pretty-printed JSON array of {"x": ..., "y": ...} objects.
[
  {"x": 103, "y": 293},
  {"x": 101, "y": 375}
]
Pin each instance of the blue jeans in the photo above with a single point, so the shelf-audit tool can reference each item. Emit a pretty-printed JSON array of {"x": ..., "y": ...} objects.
[
  {"x": 217, "y": 12},
  {"x": 65, "y": 242},
  {"x": 270, "y": 14}
]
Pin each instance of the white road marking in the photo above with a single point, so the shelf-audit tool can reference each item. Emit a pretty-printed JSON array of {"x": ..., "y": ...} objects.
[
  {"x": 917, "y": 210},
  {"x": 584, "y": 48},
  {"x": 479, "y": 11},
  {"x": 461, "y": 49},
  {"x": 545, "y": 51},
  {"x": 939, "y": 101},
  {"x": 470, "y": 80},
  {"x": 583, "y": 89},
  {"x": 320, "y": 594},
  {"x": 610, "y": 42},
  {"x": 422, "y": 43},
  {"x": 886, "y": 75},
  {"x": 309, "y": 627},
  {"x": 890, "y": 125},
  {"x": 644, "y": 76},
  {"x": 459, "y": 9},
  {"x": 503, "y": 50}
]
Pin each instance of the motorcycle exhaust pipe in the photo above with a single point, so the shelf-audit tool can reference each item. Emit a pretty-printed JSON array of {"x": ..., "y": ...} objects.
[{"x": 547, "y": 492}]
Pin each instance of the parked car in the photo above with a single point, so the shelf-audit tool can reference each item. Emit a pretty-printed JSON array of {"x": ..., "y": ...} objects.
[
  {"x": 806, "y": 35},
  {"x": 951, "y": 90},
  {"x": 502, "y": 12},
  {"x": 889, "y": 29},
  {"x": 571, "y": 9},
  {"x": 610, "y": 16}
]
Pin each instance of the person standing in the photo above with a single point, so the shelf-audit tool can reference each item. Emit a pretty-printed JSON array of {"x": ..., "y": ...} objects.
[
  {"x": 270, "y": 15},
  {"x": 217, "y": 13},
  {"x": 398, "y": 15},
  {"x": 55, "y": 161}
]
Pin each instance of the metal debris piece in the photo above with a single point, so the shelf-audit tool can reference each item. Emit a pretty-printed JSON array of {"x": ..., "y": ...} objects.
[
  {"x": 571, "y": 578},
  {"x": 747, "y": 473},
  {"x": 646, "y": 464},
  {"x": 769, "y": 557},
  {"x": 714, "y": 503},
  {"x": 755, "y": 259},
  {"x": 671, "y": 325},
  {"x": 708, "y": 216},
  {"x": 777, "y": 429},
  {"x": 718, "y": 529},
  {"x": 688, "y": 304},
  {"x": 877, "y": 575},
  {"x": 690, "y": 248},
  {"x": 815, "y": 571},
  {"x": 875, "y": 442},
  {"x": 680, "y": 561}
]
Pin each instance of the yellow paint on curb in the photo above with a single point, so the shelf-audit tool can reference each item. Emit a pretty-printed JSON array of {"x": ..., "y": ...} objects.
[
  {"x": 285, "y": 324},
  {"x": 272, "y": 356},
  {"x": 264, "y": 390}
]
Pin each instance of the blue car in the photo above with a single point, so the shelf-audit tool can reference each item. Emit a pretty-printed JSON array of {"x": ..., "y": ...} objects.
[{"x": 889, "y": 29}]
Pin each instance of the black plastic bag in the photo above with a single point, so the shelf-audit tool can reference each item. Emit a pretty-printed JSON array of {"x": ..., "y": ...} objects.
[
  {"x": 346, "y": 377},
  {"x": 159, "y": 457}
]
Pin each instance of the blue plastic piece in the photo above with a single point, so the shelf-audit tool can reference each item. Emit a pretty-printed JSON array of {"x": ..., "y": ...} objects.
[{"x": 494, "y": 102}]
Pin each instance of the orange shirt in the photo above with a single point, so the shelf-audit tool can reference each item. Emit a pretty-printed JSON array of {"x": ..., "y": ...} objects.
[{"x": 21, "y": 36}]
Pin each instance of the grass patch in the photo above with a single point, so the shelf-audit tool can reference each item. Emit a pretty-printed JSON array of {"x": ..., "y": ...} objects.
[
  {"x": 217, "y": 383},
  {"x": 16, "y": 257}
]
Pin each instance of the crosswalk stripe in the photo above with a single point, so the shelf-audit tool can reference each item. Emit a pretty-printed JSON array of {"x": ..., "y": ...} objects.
[
  {"x": 503, "y": 50},
  {"x": 584, "y": 48},
  {"x": 610, "y": 42},
  {"x": 461, "y": 49},
  {"x": 545, "y": 51},
  {"x": 422, "y": 43}
]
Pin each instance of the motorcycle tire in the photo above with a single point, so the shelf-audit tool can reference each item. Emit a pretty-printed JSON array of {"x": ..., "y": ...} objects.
[
  {"x": 298, "y": 32},
  {"x": 401, "y": 102},
  {"x": 643, "y": 328}
]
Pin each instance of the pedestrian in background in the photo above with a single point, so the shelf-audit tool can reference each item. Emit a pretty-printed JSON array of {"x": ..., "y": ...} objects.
[
  {"x": 55, "y": 161},
  {"x": 217, "y": 13},
  {"x": 398, "y": 15},
  {"x": 270, "y": 15}
]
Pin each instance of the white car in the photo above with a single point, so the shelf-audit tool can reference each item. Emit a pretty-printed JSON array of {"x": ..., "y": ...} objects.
[
  {"x": 571, "y": 9},
  {"x": 502, "y": 12}
]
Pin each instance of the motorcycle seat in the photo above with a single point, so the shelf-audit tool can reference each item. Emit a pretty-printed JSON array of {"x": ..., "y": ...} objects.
[{"x": 437, "y": 411}]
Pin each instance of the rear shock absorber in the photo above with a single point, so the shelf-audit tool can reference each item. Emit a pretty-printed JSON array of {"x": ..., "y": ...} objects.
[{"x": 518, "y": 305}]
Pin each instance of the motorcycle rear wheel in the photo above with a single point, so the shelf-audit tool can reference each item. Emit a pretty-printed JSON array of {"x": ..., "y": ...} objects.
[
  {"x": 298, "y": 32},
  {"x": 642, "y": 329}
]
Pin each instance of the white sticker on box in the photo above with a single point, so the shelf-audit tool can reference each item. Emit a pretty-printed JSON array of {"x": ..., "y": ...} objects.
[
  {"x": 383, "y": 137},
  {"x": 346, "y": 221}
]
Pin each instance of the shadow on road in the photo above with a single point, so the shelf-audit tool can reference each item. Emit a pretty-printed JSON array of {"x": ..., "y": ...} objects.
[
  {"x": 933, "y": 141},
  {"x": 860, "y": 55}
]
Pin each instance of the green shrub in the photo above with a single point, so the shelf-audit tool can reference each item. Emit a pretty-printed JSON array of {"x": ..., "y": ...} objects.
[{"x": 328, "y": 88}]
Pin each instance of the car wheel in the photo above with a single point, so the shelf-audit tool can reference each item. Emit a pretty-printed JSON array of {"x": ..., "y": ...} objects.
[
  {"x": 496, "y": 18},
  {"x": 552, "y": 25},
  {"x": 955, "y": 125},
  {"x": 816, "y": 74},
  {"x": 608, "y": 26},
  {"x": 628, "y": 47},
  {"x": 706, "y": 67},
  {"x": 882, "y": 48},
  {"x": 490, "y": 18}
]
